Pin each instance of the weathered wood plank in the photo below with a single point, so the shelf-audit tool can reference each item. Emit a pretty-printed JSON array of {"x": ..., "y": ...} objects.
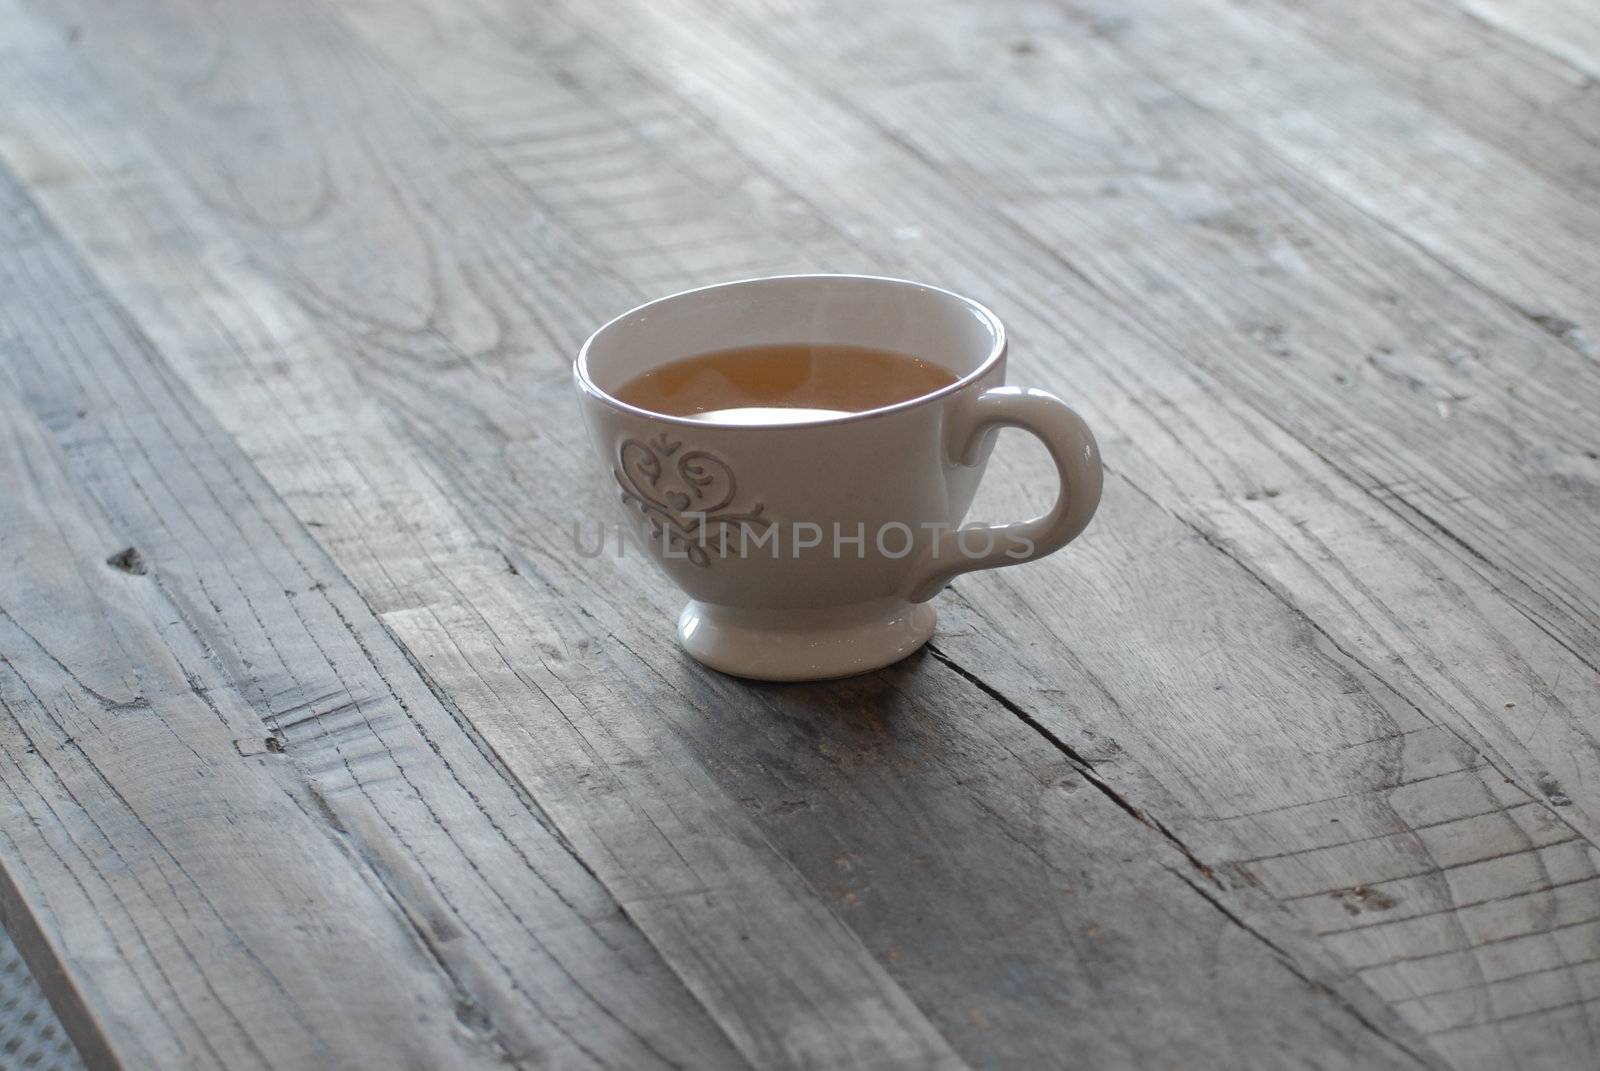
[
  {"x": 1405, "y": 337},
  {"x": 1569, "y": 29},
  {"x": 242, "y": 827},
  {"x": 1479, "y": 208},
  {"x": 1384, "y": 592},
  {"x": 1527, "y": 102},
  {"x": 729, "y": 906},
  {"x": 1364, "y": 531},
  {"x": 935, "y": 825},
  {"x": 1393, "y": 439}
]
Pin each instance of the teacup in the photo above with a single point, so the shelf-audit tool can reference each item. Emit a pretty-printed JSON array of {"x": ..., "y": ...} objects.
[{"x": 811, "y": 549}]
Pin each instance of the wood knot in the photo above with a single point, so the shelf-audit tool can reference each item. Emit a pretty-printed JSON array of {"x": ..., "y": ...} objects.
[
  {"x": 128, "y": 560},
  {"x": 1553, "y": 792},
  {"x": 1362, "y": 898}
]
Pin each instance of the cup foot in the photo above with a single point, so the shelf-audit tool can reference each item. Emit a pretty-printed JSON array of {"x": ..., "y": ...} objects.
[{"x": 804, "y": 645}]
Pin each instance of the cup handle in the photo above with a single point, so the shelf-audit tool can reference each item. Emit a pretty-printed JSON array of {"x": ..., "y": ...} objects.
[{"x": 1077, "y": 459}]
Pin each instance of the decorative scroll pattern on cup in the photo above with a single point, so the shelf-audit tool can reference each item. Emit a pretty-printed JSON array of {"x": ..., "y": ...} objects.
[{"x": 686, "y": 497}]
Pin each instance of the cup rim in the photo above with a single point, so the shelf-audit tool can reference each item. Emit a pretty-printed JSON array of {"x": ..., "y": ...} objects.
[{"x": 580, "y": 365}]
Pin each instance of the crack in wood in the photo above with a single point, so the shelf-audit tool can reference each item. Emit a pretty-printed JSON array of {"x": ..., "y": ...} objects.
[
  {"x": 1426, "y": 1059},
  {"x": 1083, "y": 765}
]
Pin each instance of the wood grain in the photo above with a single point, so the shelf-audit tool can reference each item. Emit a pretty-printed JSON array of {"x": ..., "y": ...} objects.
[
  {"x": 1488, "y": 214},
  {"x": 237, "y": 814},
  {"x": 1569, "y": 29},
  {"x": 971, "y": 817},
  {"x": 1369, "y": 533},
  {"x": 1300, "y": 729},
  {"x": 730, "y": 906},
  {"x": 1534, "y": 106}
]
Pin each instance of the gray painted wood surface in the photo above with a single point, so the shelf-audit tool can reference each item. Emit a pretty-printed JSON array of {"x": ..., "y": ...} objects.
[{"x": 1291, "y": 760}]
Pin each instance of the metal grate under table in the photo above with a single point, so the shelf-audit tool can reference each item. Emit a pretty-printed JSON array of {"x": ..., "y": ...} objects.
[{"x": 31, "y": 1038}]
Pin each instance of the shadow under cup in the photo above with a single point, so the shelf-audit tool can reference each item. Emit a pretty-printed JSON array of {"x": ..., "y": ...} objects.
[{"x": 806, "y": 549}]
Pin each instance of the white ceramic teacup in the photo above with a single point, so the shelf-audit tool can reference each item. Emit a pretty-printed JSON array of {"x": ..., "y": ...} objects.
[{"x": 810, "y": 550}]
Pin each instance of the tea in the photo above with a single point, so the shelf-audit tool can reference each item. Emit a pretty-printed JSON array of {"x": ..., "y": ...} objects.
[{"x": 784, "y": 383}]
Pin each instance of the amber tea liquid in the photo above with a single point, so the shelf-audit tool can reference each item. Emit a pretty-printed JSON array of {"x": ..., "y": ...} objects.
[{"x": 783, "y": 383}]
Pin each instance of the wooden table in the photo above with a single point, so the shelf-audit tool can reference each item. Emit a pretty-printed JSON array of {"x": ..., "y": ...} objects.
[{"x": 323, "y": 747}]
